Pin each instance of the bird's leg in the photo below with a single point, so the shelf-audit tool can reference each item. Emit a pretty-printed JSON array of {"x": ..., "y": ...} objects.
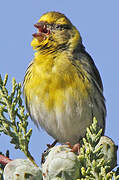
[
  {"x": 45, "y": 152},
  {"x": 52, "y": 145},
  {"x": 74, "y": 148}
]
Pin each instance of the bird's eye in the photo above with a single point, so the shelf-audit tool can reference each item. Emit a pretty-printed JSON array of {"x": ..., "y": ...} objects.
[
  {"x": 57, "y": 26},
  {"x": 62, "y": 26}
]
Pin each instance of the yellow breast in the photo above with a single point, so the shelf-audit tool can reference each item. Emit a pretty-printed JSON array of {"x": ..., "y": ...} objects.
[{"x": 52, "y": 80}]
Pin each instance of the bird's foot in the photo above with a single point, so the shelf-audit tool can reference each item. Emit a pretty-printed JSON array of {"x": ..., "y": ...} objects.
[
  {"x": 75, "y": 148},
  {"x": 46, "y": 151}
]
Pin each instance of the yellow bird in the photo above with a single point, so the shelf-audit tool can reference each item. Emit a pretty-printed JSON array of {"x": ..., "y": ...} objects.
[{"x": 62, "y": 86}]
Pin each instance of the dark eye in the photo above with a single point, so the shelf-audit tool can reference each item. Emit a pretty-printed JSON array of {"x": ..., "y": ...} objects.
[
  {"x": 57, "y": 26},
  {"x": 62, "y": 26}
]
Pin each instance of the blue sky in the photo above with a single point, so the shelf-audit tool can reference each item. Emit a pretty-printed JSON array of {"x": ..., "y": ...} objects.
[{"x": 98, "y": 23}]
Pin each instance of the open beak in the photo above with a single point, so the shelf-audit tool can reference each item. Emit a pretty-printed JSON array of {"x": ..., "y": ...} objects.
[{"x": 42, "y": 31}]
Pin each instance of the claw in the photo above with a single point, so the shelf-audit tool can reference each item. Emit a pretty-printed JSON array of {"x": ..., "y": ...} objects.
[
  {"x": 44, "y": 153},
  {"x": 52, "y": 145},
  {"x": 75, "y": 148}
]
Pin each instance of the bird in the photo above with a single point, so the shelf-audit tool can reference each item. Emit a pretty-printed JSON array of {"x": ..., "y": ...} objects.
[{"x": 62, "y": 86}]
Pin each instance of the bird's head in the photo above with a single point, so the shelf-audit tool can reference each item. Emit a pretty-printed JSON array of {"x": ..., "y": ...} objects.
[{"x": 55, "y": 32}]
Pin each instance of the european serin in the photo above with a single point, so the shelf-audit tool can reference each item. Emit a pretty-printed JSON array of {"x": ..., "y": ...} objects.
[{"x": 62, "y": 86}]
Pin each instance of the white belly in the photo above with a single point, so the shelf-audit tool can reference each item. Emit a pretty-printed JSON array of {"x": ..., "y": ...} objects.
[{"x": 68, "y": 125}]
